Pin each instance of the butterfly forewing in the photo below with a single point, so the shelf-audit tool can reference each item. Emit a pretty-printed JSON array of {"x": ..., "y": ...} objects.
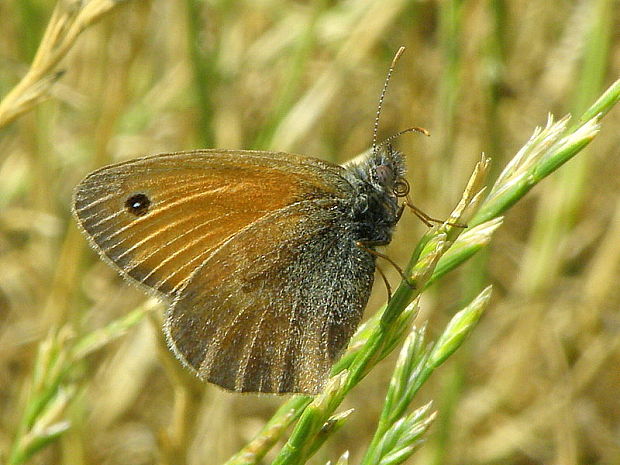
[
  {"x": 274, "y": 306},
  {"x": 159, "y": 218}
]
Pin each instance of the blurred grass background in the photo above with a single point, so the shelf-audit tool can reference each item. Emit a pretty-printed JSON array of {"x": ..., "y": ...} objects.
[{"x": 538, "y": 382}]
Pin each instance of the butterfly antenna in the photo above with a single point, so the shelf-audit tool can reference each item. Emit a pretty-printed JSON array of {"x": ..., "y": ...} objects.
[
  {"x": 404, "y": 131},
  {"x": 382, "y": 96}
]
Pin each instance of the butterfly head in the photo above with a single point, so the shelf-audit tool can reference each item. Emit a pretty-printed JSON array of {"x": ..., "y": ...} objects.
[
  {"x": 379, "y": 181},
  {"x": 385, "y": 171}
]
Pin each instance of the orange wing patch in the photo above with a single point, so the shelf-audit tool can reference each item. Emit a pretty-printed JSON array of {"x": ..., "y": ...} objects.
[{"x": 197, "y": 201}]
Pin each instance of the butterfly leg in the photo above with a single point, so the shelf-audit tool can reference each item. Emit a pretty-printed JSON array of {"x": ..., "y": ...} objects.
[
  {"x": 426, "y": 219},
  {"x": 365, "y": 245},
  {"x": 386, "y": 282}
]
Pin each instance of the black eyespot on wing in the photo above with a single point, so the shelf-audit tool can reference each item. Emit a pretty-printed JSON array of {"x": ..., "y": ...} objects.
[{"x": 138, "y": 204}]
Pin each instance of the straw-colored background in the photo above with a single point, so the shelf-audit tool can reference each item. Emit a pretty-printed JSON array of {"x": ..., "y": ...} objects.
[{"x": 539, "y": 380}]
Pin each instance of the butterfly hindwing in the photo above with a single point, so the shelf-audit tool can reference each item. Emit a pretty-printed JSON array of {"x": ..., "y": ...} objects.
[{"x": 275, "y": 305}]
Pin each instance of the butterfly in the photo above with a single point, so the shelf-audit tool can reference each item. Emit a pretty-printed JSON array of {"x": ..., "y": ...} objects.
[{"x": 267, "y": 258}]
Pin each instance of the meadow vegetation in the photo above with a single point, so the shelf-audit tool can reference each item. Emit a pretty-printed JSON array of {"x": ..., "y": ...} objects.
[{"x": 85, "y": 375}]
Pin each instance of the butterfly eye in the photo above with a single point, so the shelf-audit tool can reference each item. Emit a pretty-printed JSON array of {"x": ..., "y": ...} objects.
[
  {"x": 138, "y": 204},
  {"x": 383, "y": 174}
]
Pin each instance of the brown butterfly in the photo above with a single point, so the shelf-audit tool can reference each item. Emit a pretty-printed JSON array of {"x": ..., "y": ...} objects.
[{"x": 267, "y": 257}]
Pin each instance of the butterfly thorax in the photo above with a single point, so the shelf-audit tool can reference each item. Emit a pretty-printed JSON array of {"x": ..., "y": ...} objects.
[{"x": 374, "y": 213}]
